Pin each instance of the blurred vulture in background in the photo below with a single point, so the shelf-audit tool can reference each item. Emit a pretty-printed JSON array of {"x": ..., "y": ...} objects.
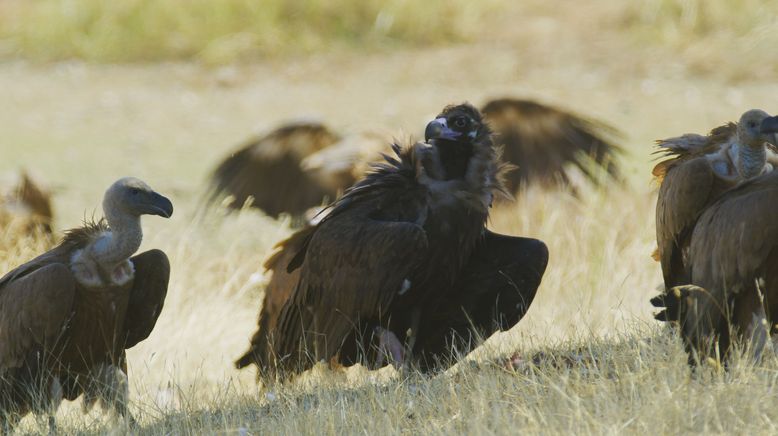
[
  {"x": 733, "y": 263},
  {"x": 67, "y": 316},
  {"x": 698, "y": 170},
  {"x": 300, "y": 166},
  {"x": 402, "y": 268},
  {"x": 269, "y": 172},
  {"x": 25, "y": 209}
]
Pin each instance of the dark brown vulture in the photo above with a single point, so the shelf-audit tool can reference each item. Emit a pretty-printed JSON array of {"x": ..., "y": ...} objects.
[
  {"x": 543, "y": 142},
  {"x": 733, "y": 264},
  {"x": 267, "y": 172},
  {"x": 402, "y": 267},
  {"x": 67, "y": 316},
  {"x": 26, "y": 209},
  {"x": 698, "y": 171}
]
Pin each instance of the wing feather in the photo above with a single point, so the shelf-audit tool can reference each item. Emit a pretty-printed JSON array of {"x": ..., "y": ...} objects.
[
  {"x": 147, "y": 297},
  {"x": 33, "y": 311}
]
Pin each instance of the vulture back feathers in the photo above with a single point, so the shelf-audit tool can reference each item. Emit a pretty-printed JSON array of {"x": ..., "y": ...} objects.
[
  {"x": 67, "y": 316},
  {"x": 388, "y": 252},
  {"x": 733, "y": 263}
]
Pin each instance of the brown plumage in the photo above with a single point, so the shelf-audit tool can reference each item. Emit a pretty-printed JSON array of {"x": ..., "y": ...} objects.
[
  {"x": 698, "y": 170},
  {"x": 67, "y": 316},
  {"x": 544, "y": 142},
  {"x": 733, "y": 263},
  {"x": 267, "y": 171},
  {"x": 26, "y": 209},
  {"x": 401, "y": 244}
]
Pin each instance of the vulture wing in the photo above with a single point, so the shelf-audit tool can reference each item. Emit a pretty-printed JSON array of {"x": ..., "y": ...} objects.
[
  {"x": 687, "y": 190},
  {"x": 543, "y": 141},
  {"x": 34, "y": 308},
  {"x": 152, "y": 273},
  {"x": 277, "y": 293},
  {"x": 735, "y": 236},
  {"x": 354, "y": 263},
  {"x": 267, "y": 170},
  {"x": 496, "y": 289}
]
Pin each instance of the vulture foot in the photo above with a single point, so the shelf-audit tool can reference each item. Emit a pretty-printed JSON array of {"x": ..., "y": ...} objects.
[{"x": 389, "y": 347}]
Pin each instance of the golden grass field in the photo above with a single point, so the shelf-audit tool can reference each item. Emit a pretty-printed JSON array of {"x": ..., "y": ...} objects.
[{"x": 652, "y": 68}]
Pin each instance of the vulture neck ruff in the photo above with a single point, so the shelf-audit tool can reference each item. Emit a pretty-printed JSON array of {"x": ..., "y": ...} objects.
[
  {"x": 454, "y": 157},
  {"x": 105, "y": 260},
  {"x": 751, "y": 160}
]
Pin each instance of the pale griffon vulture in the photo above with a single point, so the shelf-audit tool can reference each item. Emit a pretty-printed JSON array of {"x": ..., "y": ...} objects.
[
  {"x": 67, "y": 316},
  {"x": 698, "y": 171},
  {"x": 733, "y": 265}
]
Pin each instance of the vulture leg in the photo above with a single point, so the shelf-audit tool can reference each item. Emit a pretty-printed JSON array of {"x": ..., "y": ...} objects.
[
  {"x": 702, "y": 316},
  {"x": 750, "y": 320},
  {"x": 109, "y": 384},
  {"x": 152, "y": 273},
  {"x": 495, "y": 291},
  {"x": 389, "y": 347}
]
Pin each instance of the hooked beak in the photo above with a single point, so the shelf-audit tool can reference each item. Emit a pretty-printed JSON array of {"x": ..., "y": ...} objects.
[
  {"x": 769, "y": 125},
  {"x": 438, "y": 129},
  {"x": 159, "y": 205}
]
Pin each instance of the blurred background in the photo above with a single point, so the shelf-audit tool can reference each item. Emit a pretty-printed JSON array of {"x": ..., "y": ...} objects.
[{"x": 92, "y": 90}]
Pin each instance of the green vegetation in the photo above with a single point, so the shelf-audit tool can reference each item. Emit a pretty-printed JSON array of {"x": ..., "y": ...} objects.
[{"x": 225, "y": 30}]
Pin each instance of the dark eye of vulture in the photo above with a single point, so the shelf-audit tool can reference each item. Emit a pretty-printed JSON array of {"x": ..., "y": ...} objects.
[
  {"x": 697, "y": 171},
  {"x": 403, "y": 264},
  {"x": 67, "y": 316}
]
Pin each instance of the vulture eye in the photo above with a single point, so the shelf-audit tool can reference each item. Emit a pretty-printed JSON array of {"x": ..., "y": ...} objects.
[
  {"x": 751, "y": 124},
  {"x": 134, "y": 191},
  {"x": 460, "y": 122}
]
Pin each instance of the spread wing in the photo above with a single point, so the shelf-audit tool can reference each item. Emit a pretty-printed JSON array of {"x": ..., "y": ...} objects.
[
  {"x": 544, "y": 141},
  {"x": 495, "y": 291},
  {"x": 736, "y": 235},
  {"x": 277, "y": 293},
  {"x": 267, "y": 171},
  {"x": 152, "y": 273},
  {"x": 354, "y": 263},
  {"x": 34, "y": 308}
]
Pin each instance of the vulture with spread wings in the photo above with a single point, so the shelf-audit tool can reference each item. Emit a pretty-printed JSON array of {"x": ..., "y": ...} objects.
[
  {"x": 699, "y": 169},
  {"x": 271, "y": 172},
  {"x": 67, "y": 316},
  {"x": 402, "y": 264},
  {"x": 733, "y": 264}
]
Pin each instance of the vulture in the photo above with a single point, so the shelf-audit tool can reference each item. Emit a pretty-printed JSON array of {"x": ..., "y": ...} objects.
[
  {"x": 402, "y": 268},
  {"x": 733, "y": 270},
  {"x": 544, "y": 141},
  {"x": 272, "y": 172},
  {"x": 67, "y": 316},
  {"x": 26, "y": 208},
  {"x": 300, "y": 165},
  {"x": 697, "y": 171}
]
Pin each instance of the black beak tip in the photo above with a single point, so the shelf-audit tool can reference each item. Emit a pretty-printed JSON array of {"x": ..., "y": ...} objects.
[
  {"x": 769, "y": 125},
  {"x": 163, "y": 207}
]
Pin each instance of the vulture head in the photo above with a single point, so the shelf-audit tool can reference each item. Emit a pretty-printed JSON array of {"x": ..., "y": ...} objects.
[
  {"x": 757, "y": 127},
  {"x": 133, "y": 197},
  {"x": 454, "y": 133}
]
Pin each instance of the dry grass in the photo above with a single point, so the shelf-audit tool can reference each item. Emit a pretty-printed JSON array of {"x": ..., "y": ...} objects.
[{"x": 80, "y": 127}]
